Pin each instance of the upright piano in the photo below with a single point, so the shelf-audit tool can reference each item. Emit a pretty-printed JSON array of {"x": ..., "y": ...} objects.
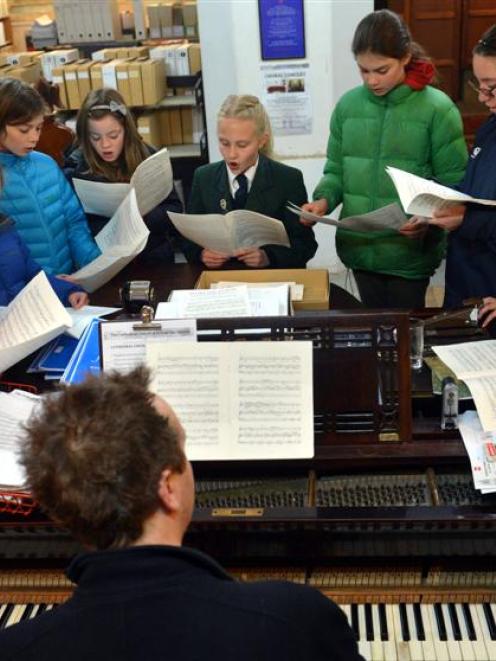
[{"x": 383, "y": 519}]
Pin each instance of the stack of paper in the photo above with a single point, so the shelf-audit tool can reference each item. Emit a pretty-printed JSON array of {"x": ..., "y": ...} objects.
[
  {"x": 232, "y": 301},
  {"x": 475, "y": 364},
  {"x": 481, "y": 449},
  {"x": 32, "y": 319},
  {"x": 122, "y": 239},
  {"x": 15, "y": 409}
]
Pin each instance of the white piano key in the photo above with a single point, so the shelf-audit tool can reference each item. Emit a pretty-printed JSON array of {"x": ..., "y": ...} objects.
[
  {"x": 363, "y": 643},
  {"x": 2, "y": 608},
  {"x": 16, "y": 615},
  {"x": 427, "y": 644},
  {"x": 479, "y": 644},
  {"x": 466, "y": 647},
  {"x": 402, "y": 651},
  {"x": 377, "y": 646},
  {"x": 49, "y": 607},
  {"x": 416, "y": 652},
  {"x": 490, "y": 644},
  {"x": 347, "y": 611},
  {"x": 390, "y": 650},
  {"x": 453, "y": 646},
  {"x": 34, "y": 612},
  {"x": 440, "y": 646}
]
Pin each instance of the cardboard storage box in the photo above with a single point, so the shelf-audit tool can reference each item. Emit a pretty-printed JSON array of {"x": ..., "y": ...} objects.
[{"x": 315, "y": 282}]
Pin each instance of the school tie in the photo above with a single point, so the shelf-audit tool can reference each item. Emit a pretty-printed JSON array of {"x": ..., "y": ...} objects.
[{"x": 241, "y": 195}]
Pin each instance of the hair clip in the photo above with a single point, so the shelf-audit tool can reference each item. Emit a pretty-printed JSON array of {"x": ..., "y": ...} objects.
[{"x": 111, "y": 106}]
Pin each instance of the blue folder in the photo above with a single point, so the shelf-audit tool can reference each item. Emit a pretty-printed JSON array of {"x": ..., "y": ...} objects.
[{"x": 86, "y": 357}]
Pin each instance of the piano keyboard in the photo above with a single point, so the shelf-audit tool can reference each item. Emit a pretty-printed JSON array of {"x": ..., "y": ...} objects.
[
  {"x": 386, "y": 631},
  {"x": 424, "y": 632}
]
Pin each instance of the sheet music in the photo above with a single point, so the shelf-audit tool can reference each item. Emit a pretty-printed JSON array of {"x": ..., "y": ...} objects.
[
  {"x": 296, "y": 289},
  {"x": 122, "y": 238},
  {"x": 239, "y": 400},
  {"x": 390, "y": 217},
  {"x": 100, "y": 198},
  {"x": 82, "y": 317},
  {"x": 475, "y": 364},
  {"x": 15, "y": 410},
  {"x": 423, "y": 197},
  {"x": 228, "y": 232},
  {"x": 152, "y": 181},
  {"x": 202, "y": 303},
  {"x": 32, "y": 319},
  {"x": 124, "y": 347}
]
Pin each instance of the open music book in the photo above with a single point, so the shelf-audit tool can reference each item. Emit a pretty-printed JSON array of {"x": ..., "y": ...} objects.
[
  {"x": 390, "y": 217},
  {"x": 475, "y": 364},
  {"x": 238, "y": 400},
  {"x": 231, "y": 231},
  {"x": 32, "y": 319},
  {"x": 152, "y": 181},
  {"x": 122, "y": 238},
  {"x": 422, "y": 197}
]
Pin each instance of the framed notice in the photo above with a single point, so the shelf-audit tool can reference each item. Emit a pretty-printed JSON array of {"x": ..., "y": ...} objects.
[{"x": 282, "y": 29}]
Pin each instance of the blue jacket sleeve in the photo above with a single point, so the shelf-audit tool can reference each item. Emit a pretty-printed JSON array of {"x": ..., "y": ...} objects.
[
  {"x": 83, "y": 247},
  {"x": 63, "y": 288}
]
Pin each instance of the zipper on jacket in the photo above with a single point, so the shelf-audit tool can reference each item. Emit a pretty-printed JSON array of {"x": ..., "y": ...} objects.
[{"x": 379, "y": 154}]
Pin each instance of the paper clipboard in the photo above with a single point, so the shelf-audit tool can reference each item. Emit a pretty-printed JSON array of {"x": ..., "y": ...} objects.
[{"x": 123, "y": 342}]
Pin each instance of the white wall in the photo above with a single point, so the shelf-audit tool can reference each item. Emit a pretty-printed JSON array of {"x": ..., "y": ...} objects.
[{"x": 230, "y": 41}]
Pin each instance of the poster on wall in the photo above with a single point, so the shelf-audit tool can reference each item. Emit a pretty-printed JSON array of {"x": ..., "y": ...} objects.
[
  {"x": 287, "y": 98},
  {"x": 282, "y": 29}
]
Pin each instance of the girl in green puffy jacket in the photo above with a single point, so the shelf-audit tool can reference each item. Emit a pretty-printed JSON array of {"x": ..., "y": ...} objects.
[{"x": 395, "y": 118}]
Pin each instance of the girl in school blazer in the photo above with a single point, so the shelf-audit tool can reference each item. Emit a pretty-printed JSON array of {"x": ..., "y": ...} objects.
[{"x": 245, "y": 143}]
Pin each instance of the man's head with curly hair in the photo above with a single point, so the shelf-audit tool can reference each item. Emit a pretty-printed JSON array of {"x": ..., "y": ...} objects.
[{"x": 105, "y": 458}]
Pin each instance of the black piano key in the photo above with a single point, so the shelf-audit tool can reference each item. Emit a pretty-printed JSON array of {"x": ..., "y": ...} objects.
[
  {"x": 468, "y": 621},
  {"x": 383, "y": 621},
  {"x": 6, "y": 615},
  {"x": 419, "y": 622},
  {"x": 405, "y": 631},
  {"x": 491, "y": 624},
  {"x": 455, "y": 625},
  {"x": 354, "y": 621},
  {"x": 441, "y": 626},
  {"x": 27, "y": 612},
  {"x": 369, "y": 625},
  {"x": 41, "y": 608}
]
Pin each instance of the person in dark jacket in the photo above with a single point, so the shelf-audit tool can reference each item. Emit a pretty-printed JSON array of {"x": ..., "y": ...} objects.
[
  {"x": 106, "y": 459},
  {"x": 109, "y": 149},
  {"x": 471, "y": 256},
  {"x": 245, "y": 142},
  {"x": 17, "y": 268}
]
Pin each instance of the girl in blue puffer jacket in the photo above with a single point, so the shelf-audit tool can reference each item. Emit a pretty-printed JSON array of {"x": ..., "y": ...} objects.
[
  {"x": 36, "y": 194},
  {"x": 17, "y": 268}
]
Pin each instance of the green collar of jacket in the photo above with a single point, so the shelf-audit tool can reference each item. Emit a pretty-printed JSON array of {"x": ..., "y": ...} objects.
[{"x": 396, "y": 95}]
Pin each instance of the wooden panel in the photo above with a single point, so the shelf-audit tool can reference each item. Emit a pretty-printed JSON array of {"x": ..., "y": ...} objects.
[{"x": 478, "y": 15}]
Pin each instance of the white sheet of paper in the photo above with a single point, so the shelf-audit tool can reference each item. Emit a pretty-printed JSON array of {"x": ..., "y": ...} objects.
[
  {"x": 124, "y": 347},
  {"x": 228, "y": 232},
  {"x": 82, "y": 317},
  {"x": 296, "y": 289},
  {"x": 32, "y": 319},
  {"x": 475, "y": 364},
  {"x": 239, "y": 400},
  {"x": 390, "y": 217},
  {"x": 152, "y": 181},
  {"x": 100, "y": 198},
  {"x": 203, "y": 303},
  {"x": 122, "y": 238},
  {"x": 422, "y": 197},
  {"x": 15, "y": 410}
]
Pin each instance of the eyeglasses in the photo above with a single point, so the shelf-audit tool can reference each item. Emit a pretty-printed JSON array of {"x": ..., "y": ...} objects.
[{"x": 485, "y": 91}]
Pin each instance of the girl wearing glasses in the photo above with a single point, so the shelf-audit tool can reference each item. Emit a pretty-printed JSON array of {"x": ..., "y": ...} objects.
[
  {"x": 471, "y": 257},
  {"x": 109, "y": 149},
  {"x": 394, "y": 118},
  {"x": 35, "y": 194}
]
